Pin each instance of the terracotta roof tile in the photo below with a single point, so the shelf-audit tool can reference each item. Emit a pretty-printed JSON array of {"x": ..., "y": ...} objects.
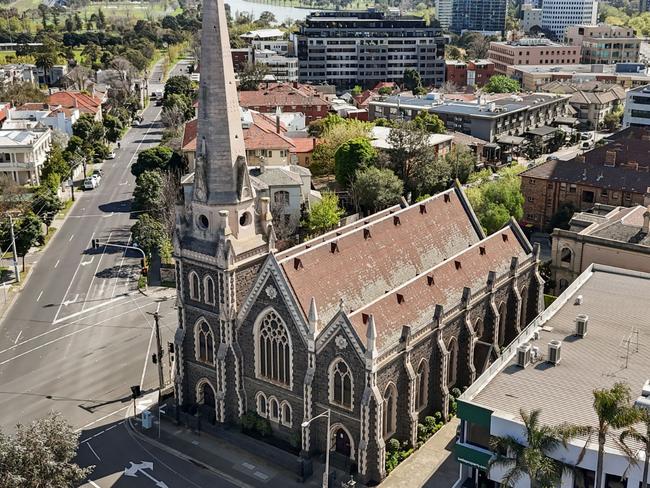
[
  {"x": 441, "y": 285},
  {"x": 303, "y": 144},
  {"x": 370, "y": 260},
  {"x": 281, "y": 94},
  {"x": 189, "y": 135},
  {"x": 69, "y": 99}
]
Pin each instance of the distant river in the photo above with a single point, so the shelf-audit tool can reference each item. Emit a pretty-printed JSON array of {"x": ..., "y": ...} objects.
[{"x": 281, "y": 13}]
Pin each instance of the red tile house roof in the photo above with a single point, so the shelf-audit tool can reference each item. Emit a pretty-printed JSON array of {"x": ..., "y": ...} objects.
[
  {"x": 361, "y": 265},
  {"x": 189, "y": 135},
  {"x": 281, "y": 95},
  {"x": 69, "y": 99}
]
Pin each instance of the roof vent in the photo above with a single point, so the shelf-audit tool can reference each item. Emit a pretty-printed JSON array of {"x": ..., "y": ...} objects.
[
  {"x": 578, "y": 300},
  {"x": 297, "y": 263},
  {"x": 396, "y": 220},
  {"x": 504, "y": 237},
  {"x": 554, "y": 352},
  {"x": 364, "y": 317},
  {"x": 334, "y": 247},
  {"x": 581, "y": 325},
  {"x": 458, "y": 264},
  {"x": 447, "y": 198},
  {"x": 423, "y": 208},
  {"x": 523, "y": 355},
  {"x": 430, "y": 280},
  {"x": 481, "y": 250},
  {"x": 400, "y": 298},
  {"x": 366, "y": 234}
]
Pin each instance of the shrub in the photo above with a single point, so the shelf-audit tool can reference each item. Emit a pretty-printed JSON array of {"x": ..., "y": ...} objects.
[
  {"x": 263, "y": 427},
  {"x": 248, "y": 421}
]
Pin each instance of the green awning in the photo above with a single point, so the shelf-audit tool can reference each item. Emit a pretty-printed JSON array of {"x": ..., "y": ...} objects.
[{"x": 472, "y": 457}]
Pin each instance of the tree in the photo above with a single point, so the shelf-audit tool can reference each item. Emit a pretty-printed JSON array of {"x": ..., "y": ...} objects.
[
  {"x": 333, "y": 137},
  {"x": 642, "y": 438},
  {"x": 530, "y": 457},
  {"x": 156, "y": 158},
  {"x": 412, "y": 79},
  {"x": 495, "y": 201},
  {"x": 47, "y": 204},
  {"x": 562, "y": 217},
  {"x": 27, "y": 231},
  {"x": 374, "y": 189},
  {"x": 478, "y": 45},
  {"x": 179, "y": 85},
  {"x": 501, "y": 84},
  {"x": 319, "y": 127},
  {"x": 41, "y": 454},
  {"x": 266, "y": 19},
  {"x": 409, "y": 149},
  {"x": 351, "y": 156},
  {"x": 100, "y": 21},
  {"x": 461, "y": 162},
  {"x": 356, "y": 91},
  {"x": 453, "y": 52},
  {"x": 150, "y": 235},
  {"x": 429, "y": 122},
  {"x": 324, "y": 215},
  {"x": 113, "y": 127},
  {"x": 614, "y": 409},
  {"x": 251, "y": 76},
  {"x": 46, "y": 61},
  {"x": 55, "y": 164},
  {"x": 88, "y": 129},
  {"x": 20, "y": 93},
  {"x": 147, "y": 191}
]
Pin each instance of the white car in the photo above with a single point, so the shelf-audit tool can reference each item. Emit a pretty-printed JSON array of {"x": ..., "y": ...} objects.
[
  {"x": 90, "y": 183},
  {"x": 111, "y": 155}
]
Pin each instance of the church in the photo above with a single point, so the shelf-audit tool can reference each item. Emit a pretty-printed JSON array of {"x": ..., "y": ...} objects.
[{"x": 376, "y": 321}]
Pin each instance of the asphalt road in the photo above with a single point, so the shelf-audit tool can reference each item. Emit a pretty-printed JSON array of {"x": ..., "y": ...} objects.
[{"x": 80, "y": 334}]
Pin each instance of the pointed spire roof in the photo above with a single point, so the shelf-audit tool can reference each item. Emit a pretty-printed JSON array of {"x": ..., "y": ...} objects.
[{"x": 220, "y": 146}]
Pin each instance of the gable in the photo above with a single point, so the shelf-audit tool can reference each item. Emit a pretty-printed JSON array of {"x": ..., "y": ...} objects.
[{"x": 340, "y": 327}]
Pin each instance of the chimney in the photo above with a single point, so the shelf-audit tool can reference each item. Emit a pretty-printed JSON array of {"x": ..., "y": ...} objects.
[
  {"x": 313, "y": 145},
  {"x": 646, "y": 220},
  {"x": 277, "y": 124},
  {"x": 295, "y": 84},
  {"x": 610, "y": 158},
  {"x": 262, "y": 165}
]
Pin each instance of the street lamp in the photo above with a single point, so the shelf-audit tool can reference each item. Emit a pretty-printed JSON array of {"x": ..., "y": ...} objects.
[{"x": 304, "y": 425}]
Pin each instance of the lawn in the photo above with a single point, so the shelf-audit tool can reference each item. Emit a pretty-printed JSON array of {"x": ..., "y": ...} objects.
[
  {"x": 22, "y": 5},
  {"x": 131, "y": 10}
]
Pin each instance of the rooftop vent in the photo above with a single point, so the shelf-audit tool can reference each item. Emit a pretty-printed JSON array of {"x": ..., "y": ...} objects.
[
  {"x": 581, "y": 325},
  {"x": 423, "y": 208},
  {"x": 396, "y": 220},
  {"x": 554, "y": 352},
  {"x": 400, "y": 298},
  {"x": 366, "y": 233},
  {"x": 334, "y": 247},
  {"x": 523, "y": 355},
  {"x": 430, "y": 280},
  {"x": 297, "y": 263},
  {"x": 447, "y": 198},
  {"x": 578, "y": 300},
  {"x": 481, "y": 250}
]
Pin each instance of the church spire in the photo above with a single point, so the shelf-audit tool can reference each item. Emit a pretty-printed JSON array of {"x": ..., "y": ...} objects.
[{"x": 221, "y": 176}]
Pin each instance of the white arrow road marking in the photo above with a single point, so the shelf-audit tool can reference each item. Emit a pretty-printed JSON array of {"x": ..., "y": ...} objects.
[
  {"x": 84, "y": 263},
  {"x": 109, "y": 215},
  {"x": 68, "y": 302},
  {"x": 57, "y": 263},
  {"x": 124, "y": 183},
  {"x": 134, "y": 469}
]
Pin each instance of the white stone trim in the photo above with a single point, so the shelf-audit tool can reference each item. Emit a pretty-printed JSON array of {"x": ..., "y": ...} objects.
[
  {"x": 389, "y": 433},
  {"x": 207, "y": 278},
  {"x": 199, "y": 393},
  {"x": 194, "y": 294},
  {"x": 286, "y": 423},
  {"x": 340, "y": 323},
  {"x": 197, "y": 326},
  {"x": 265, "y": 411},
  {"x": 256, "y": 342},
  {"x": 330, "y": 383},
  {"x": 333, "y": 430},
  {"x": 270, "y": 416}
]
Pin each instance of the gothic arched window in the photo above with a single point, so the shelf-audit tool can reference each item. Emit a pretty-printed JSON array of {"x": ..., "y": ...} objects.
[
  {"x": 274, "y": 349},
  {"x": 285, "y": 411},
  {"x": 340, "y": 378},
  {"x": 452, "y": 348},
  {"x": 204, "y": 342},
  {"x": 208, "y": 287},
  {"x": 523, "y": 315},
  {"x": 422, "y": 385},
  {"x": 195, "y": 286},
  {"x": 274, "y": 409},
  {"x": 389, "y": 411},
  {"x": 262, "y": 410}
]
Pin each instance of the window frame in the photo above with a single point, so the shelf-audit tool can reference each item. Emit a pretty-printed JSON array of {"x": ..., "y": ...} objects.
[
  {"x": 195, "y": 289},
  {"x": 207, "y": 278},
  {"x": 258, "y": 331},
  {"x": 209, "y": 334},
  {"x": 332, "y": 371}
]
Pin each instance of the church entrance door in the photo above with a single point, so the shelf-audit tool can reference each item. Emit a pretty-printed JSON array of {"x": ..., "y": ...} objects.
[{"x": 342, "y": 443}]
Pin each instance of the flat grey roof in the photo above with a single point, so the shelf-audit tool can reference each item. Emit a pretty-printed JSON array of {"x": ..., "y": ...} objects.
[{"x": 618, "y": 304}]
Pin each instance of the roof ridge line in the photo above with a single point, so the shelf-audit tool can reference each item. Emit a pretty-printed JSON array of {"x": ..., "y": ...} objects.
[
  {"x": 350, "y": 231},
  {"x": 429, "y": 270}
]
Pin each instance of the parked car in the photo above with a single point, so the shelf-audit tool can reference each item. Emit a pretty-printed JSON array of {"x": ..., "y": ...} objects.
[
  {"x": 97, "y": 179},
  {"x": 90, "y": 183},
  {"x": 111, "y": 155},
  {"x": 98, "y": 175}
]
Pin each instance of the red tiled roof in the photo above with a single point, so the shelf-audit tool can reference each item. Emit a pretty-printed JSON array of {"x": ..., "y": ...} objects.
[
  {"x": 303, "y": 144},
  {"x": 365, "y": 97},
  {"x": 385, "y": 84},
  {"x": 361, "y": 265},
  {"x": 189, "y": 135},
  {"x": 414, "y": 302},
  {"x": 69, "y": 99},
  {"x": 280, "y": 95}
]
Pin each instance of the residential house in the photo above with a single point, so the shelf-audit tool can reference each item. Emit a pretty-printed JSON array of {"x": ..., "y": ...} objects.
[
  {"x": 51, "y": 76},
  {"x": 613, "y": 236},
  {"x": 288, "y": 97},
  {"x": 441, "y": 143},
  {"x": 617, "y": 173},
  {"x": 18, "y": 73},
  {"x": 84, "y": 102},
  {"x": 55, "y": 117},
  {"x": 23, "y": 153},
  {"x": 589, "y": 338},
  {"x": 469, "y": 73}
]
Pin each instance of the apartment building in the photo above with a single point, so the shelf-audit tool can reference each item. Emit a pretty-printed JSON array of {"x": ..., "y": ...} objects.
[
  {"x": 445, "y": 12},
  {"x": 510, "y": 115},
  {"x": 637, "y": 107},
  {"x": 617, "y": 173},
  {"x": 485, "y": 16},
  {"x": 604, "y": 43},
  {"x": 348, "y": 48},
  {"x": 23, "y": 152},
  {"x": 533, "y": 51},
  {"x": 471, "y": 73},
  {"x": 557, "y": 15}
]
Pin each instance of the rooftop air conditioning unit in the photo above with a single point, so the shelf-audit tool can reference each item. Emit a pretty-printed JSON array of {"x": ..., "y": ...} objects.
[
  {"x": 581, "y": 325},
  {"x": 523, "y": 355},
  {"x": 554, "y": 352}
]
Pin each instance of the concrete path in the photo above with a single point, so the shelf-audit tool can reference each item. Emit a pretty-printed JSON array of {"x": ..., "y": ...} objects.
[{"x": 432, "y": 466}]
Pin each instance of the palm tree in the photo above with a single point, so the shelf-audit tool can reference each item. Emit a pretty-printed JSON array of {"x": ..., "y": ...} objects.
[
  {"x": 614, "y": 409},
  {"x": 641, "y": 438},
  {"x": 532, "y": 459}
]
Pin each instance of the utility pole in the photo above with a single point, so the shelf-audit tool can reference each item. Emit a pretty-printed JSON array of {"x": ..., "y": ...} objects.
[
  {"x": 13, "y": 247},
  {"x": 161, "y": 379}
]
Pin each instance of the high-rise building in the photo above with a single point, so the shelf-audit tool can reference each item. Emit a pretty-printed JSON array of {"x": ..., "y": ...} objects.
[
  {"x": 487, "y": 16},
  {"x": 557, "y": 15},
  {"x": 444, "y": 12},
  {"x": 604, "y": 43},
  {"x": 347, "y": 48}
]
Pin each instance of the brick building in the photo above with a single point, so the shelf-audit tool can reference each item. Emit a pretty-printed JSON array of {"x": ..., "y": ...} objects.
[
  {"x": 617, "y": 173},
  {"x": 471, "y": 73},
  {"x": 289, "y": 97},
  {"x": 376, "y": 321},
  {"x": 532, "y": 51}
]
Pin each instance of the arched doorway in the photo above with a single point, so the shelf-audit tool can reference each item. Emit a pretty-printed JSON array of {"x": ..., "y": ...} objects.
[
  {"x": 342, "y": 443},
  {"x": 205, "y": 398}
]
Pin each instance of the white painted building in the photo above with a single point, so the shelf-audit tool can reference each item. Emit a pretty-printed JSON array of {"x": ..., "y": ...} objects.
[
  {"x": 53, "y": 116},
  {"x": 557, "y": 15},
  {"x": 23, "y": 152},
  {"x": 637, "y": 107},
  {"x": 283, "y": 68},
  {"x": 590, "y": 337}
]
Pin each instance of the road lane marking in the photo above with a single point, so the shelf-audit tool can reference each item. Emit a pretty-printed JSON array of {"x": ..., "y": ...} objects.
[
  {"x": 57, "y": 263},
  {"x": 92, "y": 280},
  {"x": 99, "y": 420},
  {"x": 72, "y": 280},
  {"x": 119, "y": 269},
  {"x": 39, "y": 296},
  {"x": 93, "y": 451},
  {"x": 18, "y": 337},
  {"x": 94, "y": 307},
  {"x": 84, "y": 263},
  {"x": 95, "y": 485},
  {"x": 71, "y": 237},
  {"x": 68, "y": 302}
]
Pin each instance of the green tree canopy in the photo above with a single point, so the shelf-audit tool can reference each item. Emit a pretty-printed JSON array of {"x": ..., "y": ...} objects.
[
  {"x": 252, "y": 75},
  {"x": 324, "y": 215},
  {"x": 147, "y": 194},
  {"x": 495, "y": 201},
  {"x": 375, "y": 189},
  {"x": 113, "y": 127},
  {"x": 412, "y": 79},
  {"x": 179, "y": 85},
  {"x": 429, "y": 122},
  {"x": 55, "y": 164},
  {"x": 501, "y": 84},
  {"x": 47, "y": 204},
  {"x": 150, "y": 235},
  {"x": 27, "y": 231},
  {"x": 156, "y": 158},
  {"x": 41, "y": 454},
  {"x": 88, "y": 129},
  {"x": 351, "y": 156},
  {"x": 20, "y": 93}
]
